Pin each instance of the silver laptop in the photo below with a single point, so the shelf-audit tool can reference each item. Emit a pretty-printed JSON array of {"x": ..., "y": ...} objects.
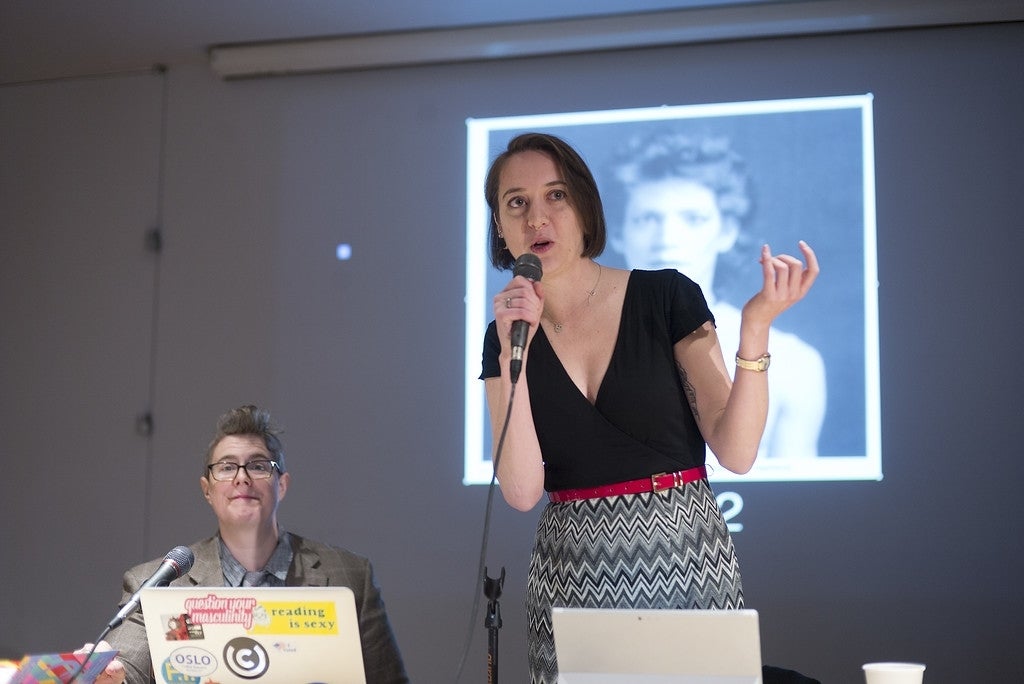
[
  {"x": 234, "y": 635},
  {"x": 619, "y": 646}
]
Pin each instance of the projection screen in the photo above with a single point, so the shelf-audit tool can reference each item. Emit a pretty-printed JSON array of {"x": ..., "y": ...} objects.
[{"x": 782, "y": 170}]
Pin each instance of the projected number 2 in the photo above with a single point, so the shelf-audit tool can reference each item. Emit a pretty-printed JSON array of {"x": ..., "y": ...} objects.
[{"x": 731, "y": 504}]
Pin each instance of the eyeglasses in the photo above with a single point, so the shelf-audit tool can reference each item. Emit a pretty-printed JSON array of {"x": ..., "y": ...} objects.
[{"x": 259, "y": 469}]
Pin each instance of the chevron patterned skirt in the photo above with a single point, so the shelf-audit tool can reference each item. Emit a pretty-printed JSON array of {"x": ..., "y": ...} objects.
[{"x": 669, "y": 549}]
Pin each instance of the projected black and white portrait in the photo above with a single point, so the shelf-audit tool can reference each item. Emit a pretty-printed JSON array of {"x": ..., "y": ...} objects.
[{"x": 700, "y": 189}]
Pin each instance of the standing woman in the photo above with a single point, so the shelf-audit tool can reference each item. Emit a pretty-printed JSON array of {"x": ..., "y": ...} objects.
[{"x": 623, "y": 379}]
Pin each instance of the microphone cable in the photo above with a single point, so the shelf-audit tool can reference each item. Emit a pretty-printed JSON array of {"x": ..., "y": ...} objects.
[
  {"x": 81, "y": 665},
  {"x": 481, "y": 568},
  {"x": 176, "y": 563}
]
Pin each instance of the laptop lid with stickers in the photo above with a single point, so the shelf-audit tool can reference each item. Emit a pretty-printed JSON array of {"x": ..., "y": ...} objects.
[{"x": 236, "y": 635}]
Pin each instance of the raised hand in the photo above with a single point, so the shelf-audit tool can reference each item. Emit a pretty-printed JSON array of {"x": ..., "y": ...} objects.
[{"x": 786, "y": 280}]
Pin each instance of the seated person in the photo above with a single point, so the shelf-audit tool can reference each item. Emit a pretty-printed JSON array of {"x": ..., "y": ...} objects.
[{"x": 244, "y": 481}]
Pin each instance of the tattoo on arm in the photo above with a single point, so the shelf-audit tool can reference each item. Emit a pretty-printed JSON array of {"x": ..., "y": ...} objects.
[{"x": 688, "y": 389}]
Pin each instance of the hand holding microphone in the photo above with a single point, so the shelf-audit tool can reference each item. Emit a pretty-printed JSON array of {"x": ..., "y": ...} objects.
[{"x": 527, "y": 265}]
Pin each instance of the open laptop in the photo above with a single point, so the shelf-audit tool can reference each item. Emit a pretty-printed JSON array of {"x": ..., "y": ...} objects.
[
  {"x": 627, "y": 646},
  {"x": 235, "y": 635}
]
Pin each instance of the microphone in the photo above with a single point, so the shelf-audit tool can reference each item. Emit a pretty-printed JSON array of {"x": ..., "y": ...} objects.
[
  {"x": 527, "y": 265},
  {"x": 176, "y": 563}
]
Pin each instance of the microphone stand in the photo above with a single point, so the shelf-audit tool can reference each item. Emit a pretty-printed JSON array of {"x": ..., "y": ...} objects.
[{"x": 492, "y": 621}]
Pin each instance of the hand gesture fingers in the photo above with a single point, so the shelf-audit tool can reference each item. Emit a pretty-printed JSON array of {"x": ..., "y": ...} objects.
[
  {"x": 787, "y": 280},
  {"x": 786, "y": 277}
]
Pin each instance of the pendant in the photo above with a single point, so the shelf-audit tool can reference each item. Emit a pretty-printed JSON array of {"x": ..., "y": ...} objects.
[{"x": 558, "y": 327}]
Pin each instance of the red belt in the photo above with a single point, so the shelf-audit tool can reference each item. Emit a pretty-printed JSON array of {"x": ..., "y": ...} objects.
[{"x": 654, "y": 483}]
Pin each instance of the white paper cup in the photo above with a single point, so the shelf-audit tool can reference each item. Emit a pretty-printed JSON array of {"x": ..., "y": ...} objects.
[{"x": 893, "y": 673}]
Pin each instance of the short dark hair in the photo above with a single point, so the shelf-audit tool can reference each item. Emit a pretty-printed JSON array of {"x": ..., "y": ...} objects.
[
  {"x": 583, "y": 194},
  {"x": 254, "y": 421}
]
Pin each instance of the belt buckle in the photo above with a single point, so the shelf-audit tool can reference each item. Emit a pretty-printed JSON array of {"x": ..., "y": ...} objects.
[{"x": 655, "y": 487}]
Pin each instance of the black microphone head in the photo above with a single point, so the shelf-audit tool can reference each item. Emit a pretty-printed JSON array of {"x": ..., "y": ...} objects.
[
  {"x": 528, "y": 266},
  {"x": 182, "y": 558}
]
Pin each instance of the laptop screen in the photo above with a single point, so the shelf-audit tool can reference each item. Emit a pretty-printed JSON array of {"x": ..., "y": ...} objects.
[
  {"x": 234, "y": 635},
  {"x": 619, "y": 646}
]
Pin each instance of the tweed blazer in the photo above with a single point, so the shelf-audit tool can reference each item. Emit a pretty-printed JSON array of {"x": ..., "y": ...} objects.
[{"x": 313, "y": 565}]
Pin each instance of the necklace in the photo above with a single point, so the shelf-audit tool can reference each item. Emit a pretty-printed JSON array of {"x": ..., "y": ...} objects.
[{"x": 590, "y": 295}]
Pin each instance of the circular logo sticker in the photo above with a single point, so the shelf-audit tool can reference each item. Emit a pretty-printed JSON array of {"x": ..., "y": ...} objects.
[
  {"x": 192, "y": 661},
  {"x": 246, "y": 658}
]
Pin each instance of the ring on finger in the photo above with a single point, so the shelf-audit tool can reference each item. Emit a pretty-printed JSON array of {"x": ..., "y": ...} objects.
[{"x": 508, "y": 302}]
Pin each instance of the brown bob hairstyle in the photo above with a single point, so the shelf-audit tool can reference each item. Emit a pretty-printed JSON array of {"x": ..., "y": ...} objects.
[{"x": 583, "y": 194}]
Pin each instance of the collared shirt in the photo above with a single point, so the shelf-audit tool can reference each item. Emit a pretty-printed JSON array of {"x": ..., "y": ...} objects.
[{"x": 275, "y": 572}]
